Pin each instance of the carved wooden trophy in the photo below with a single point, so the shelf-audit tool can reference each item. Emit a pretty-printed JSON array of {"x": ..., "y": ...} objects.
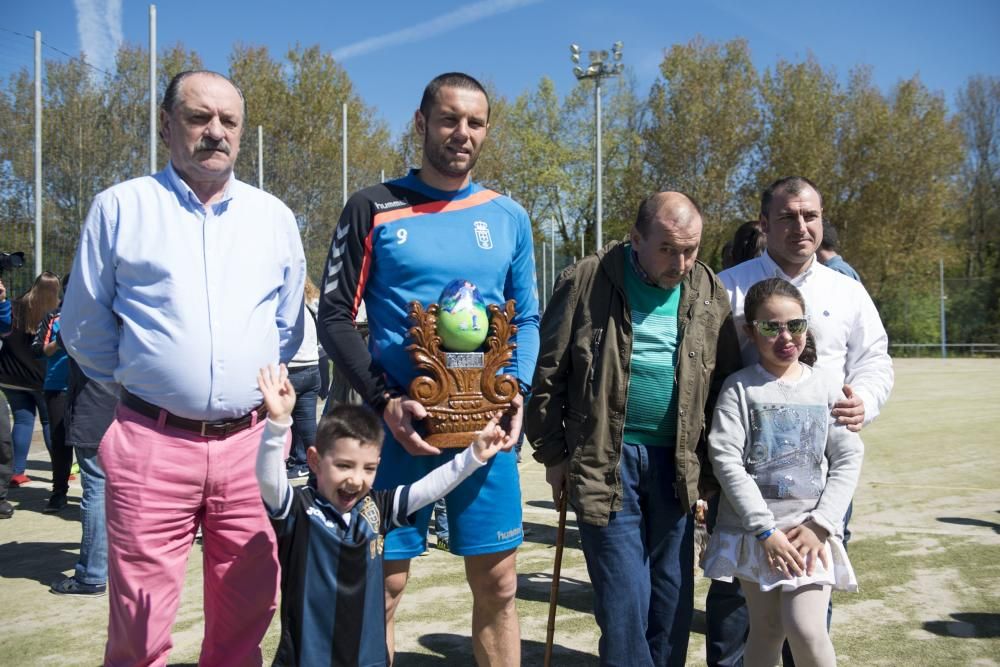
[{"x": 461, "y": 389}]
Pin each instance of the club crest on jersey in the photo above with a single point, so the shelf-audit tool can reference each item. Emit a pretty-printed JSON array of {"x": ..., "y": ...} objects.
[
  {"x": 369, "y": 512},
  {"x": 483, "y": 239}
]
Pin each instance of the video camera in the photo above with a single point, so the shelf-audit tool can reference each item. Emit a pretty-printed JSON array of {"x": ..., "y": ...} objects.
[{"x": 11, "y": 260}]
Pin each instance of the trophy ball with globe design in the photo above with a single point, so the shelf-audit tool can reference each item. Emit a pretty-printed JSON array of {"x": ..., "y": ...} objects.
[
  {"x": 459, "y": 347},
  {"x": 462, "y": 321}
]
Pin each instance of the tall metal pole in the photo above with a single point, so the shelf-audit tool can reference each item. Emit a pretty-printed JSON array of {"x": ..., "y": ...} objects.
[
  {"x": 598, "y": 67},
  {"x": 599, "y": 231},
  {"x": 38, "y": 152},
  {"x": 152, "y": 89},
  {"x": 944, "y": 333},
  {"x": 260, "y": 157},
  {"x": 344, "y": 167},
  {"x": 552, "y": 242},
  {"x": 545, "y": 278}
]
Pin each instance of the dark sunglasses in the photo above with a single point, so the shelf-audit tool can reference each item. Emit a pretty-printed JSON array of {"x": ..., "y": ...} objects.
[{"x": 771, "y": 328}]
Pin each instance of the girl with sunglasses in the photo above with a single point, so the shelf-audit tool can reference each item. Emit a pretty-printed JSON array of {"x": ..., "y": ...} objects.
[{"x": 787, "y": 473}]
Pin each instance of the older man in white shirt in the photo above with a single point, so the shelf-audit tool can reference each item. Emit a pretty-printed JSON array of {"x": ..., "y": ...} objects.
[{"x": 186, "y": 282}]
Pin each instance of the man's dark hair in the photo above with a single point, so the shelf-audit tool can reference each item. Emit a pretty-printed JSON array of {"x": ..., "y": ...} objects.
[
  {"x": 764, "y": 290},
  {"x": 831, "y": 241},
  {"x": 348, "y": 421},
  {"x": 450, "y": 80},
  {"x": 651, "y": 205},
  {"x": 172, "y": 92},
  {"x": 792, "y": 185}
]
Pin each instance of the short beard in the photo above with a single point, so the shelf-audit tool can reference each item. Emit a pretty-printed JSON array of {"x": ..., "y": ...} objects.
[
  {"x": 677, "y": 280},
  {"x": 441, "y": 165}
]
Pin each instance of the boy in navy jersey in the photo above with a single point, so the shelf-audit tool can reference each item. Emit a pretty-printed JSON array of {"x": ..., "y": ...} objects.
[{"x": 330, "y": 536}]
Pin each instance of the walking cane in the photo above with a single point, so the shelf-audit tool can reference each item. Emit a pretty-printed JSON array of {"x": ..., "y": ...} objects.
[{"x": 556, "y": 568}]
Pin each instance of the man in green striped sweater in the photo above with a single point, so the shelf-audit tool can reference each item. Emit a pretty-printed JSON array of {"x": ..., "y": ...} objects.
[{"x": 635, "y": 343}]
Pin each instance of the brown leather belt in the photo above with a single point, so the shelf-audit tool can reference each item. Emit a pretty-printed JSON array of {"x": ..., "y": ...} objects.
[{"x": 213, "y": 429}]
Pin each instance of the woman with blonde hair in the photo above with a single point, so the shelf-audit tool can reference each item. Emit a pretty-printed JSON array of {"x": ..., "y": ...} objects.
[{"x": 21, "y": 373}]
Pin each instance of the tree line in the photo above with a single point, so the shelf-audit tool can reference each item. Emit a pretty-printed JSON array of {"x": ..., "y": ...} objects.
[{"x": 907, "y": 181}]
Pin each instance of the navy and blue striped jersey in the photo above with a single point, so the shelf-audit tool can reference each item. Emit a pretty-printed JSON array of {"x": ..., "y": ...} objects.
[{"x": 332, "y": 600}]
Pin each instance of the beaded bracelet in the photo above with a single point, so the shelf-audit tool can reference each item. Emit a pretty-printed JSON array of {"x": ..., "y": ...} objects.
[{"x": 766, "y": 534}]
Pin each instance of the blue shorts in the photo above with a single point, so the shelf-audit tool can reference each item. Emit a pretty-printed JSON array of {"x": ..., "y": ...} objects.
[{"x": 484, "y": 511}]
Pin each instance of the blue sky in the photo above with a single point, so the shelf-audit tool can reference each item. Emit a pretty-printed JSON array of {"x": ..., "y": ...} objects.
[{"x": 391, "y": 49}]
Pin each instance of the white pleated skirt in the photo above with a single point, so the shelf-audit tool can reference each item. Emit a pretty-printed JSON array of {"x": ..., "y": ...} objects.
[{"x": 739, "y": 554}]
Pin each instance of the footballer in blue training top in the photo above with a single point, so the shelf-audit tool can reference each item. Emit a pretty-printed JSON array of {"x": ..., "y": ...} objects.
[{"x": 404, "y": 241}]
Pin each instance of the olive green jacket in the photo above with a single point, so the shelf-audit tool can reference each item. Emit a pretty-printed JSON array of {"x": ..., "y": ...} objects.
[{"x": 580, "y": 387}]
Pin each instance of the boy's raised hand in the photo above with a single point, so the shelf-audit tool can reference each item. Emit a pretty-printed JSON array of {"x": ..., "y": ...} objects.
[
  {"x": 491, "y": 439},
  {"x": 279, "y": 396}
]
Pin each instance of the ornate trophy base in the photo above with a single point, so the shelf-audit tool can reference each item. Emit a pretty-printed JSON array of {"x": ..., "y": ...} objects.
[{"x": 461, "y": 390}]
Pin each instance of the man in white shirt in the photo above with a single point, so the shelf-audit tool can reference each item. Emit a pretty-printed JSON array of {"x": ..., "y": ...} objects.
[{"x": 850, "y": 340}]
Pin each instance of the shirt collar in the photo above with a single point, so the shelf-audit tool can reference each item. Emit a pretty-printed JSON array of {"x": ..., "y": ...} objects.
[
  {"x": 188, "y": 195},
  {"x": 777, "y": 272},
  {"x": 633, "y": 259},
  {"x": 413, "y": 181}
]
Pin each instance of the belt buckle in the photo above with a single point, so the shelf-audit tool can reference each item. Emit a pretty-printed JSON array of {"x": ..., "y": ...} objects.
[{"x": 220, "y": 429}]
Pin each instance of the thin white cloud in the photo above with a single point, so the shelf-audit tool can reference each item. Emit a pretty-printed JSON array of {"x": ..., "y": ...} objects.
[
  {"x": 477, "y": 11},
  {"x": 99, "y": 27}
]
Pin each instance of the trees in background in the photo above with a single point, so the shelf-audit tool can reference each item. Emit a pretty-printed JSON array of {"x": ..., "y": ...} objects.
[
  {"x": 907, "y": 181},
  {"x": 94, "y": 133},
  {"x": 298, "y": 103},
  {"x": 976, "y": 305},
  {"x": 704, "y": 131}
]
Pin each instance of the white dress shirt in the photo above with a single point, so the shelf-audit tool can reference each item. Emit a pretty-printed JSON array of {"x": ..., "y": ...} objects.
[{"x": 182, "y": 303}]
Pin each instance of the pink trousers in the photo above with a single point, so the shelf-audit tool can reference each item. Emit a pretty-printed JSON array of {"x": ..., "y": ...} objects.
[{"x": 161, "y": 484}]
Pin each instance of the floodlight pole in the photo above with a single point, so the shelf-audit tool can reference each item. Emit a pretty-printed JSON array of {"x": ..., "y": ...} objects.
[
  {"x": 598, "y": 68},
  {"x": 599, "y": 170}
]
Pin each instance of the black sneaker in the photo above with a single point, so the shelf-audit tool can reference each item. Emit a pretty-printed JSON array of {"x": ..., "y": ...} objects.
[
  {"x": 71, "y": 586},
  {"x": 442, "y": 544},
  {"x": 57, "y": 501},
  {"x": 298, "y": 471},
  {"x": 6, "y": 510}
]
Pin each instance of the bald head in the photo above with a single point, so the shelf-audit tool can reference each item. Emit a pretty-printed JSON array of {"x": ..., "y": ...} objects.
[
  {"x": 666, "y": 237},
  {"x": 674, "y": 208}
]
